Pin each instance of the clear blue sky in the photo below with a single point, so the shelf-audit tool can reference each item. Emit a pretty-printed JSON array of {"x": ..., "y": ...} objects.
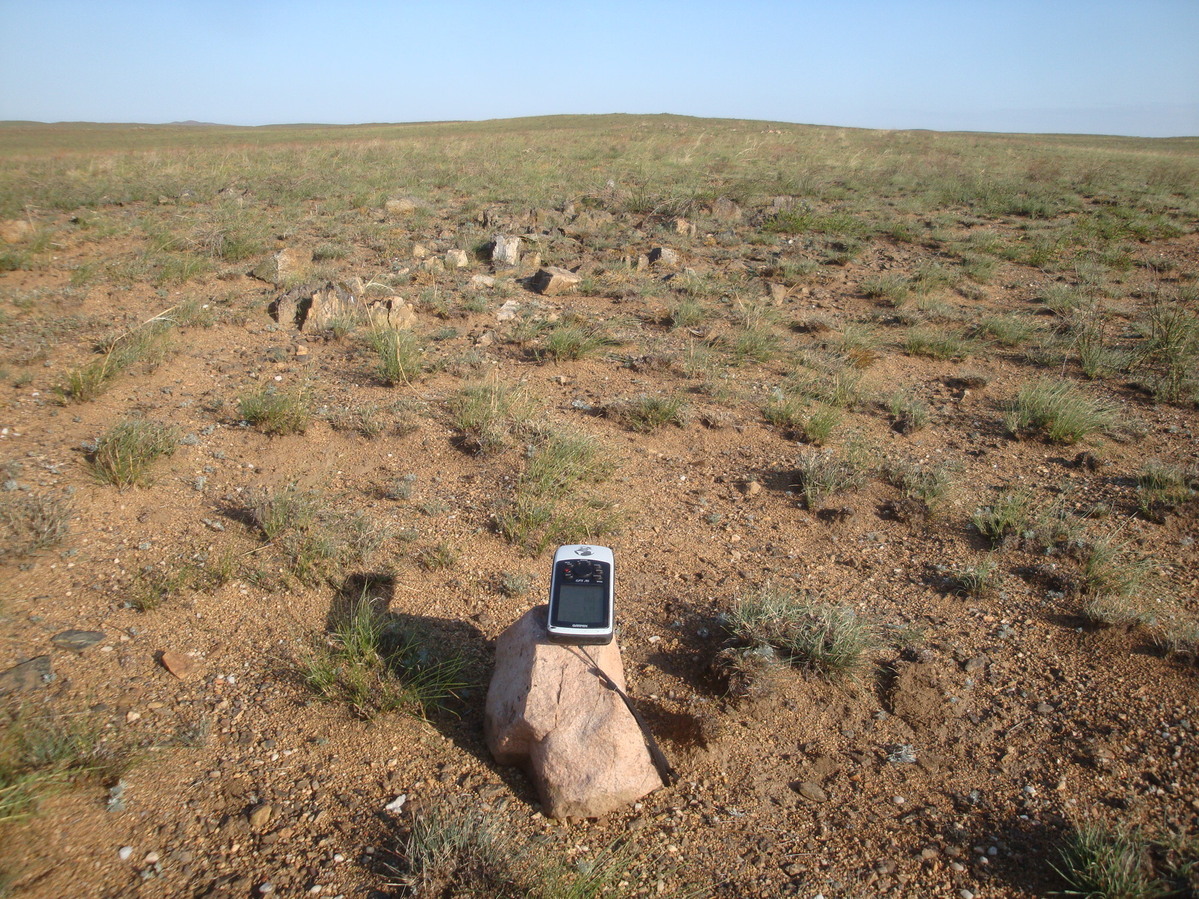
[{"x": 984, "y": 65}]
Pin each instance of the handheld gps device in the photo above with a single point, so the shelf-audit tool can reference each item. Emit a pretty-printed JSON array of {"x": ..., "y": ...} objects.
[{"x": 581, "y": 596}]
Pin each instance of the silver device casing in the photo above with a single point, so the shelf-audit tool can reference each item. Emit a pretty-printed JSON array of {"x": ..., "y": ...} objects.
[{"x": 603, "y": 576}]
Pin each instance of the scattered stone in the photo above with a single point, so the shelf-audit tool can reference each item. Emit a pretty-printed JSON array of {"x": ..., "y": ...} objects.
[
  {"x": 16, "y": 231},
  {"x": 682, "y": 226},
  {"x": 752, "y": 488},
  {"x": 554, "y": 280},
  {"x": 260, "y": 816},
  {"x": 664, "y": 256},
  {"x": 726, "y": 210},
  {"x": 810, "y": 791},
  {"x": 124, "y": 853},
  {"x": 482, "y": 281},
  {"x": 116, "y": 797},
  {"x": 508, "y": 311},
  {"x": 457, "y": 259},
  {"x": 180, "y": 665},
  {"x": 395, "y": 312},
  {"x": 288, "y": 263},
  {"x": 548, "y": 710},
  {"x": 976, "y": 663},
  {"x": 396, "y": 805},
  {"x": 401, "y": 206},
  {"x": 77, "y": 641},
  {"x": 27, "y": 676},
  {"x": 505, "y": 251}
]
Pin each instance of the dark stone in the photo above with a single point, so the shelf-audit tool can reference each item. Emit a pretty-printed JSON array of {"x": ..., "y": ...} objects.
[
  {"x": 27, "y": 676},
  {"x": 77, "y": 641}
]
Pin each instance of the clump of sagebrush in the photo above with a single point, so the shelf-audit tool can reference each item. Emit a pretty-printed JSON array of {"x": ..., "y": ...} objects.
[
  {"x": 831, "y": 640},
  {"x": 124, "y": 454},
  {"x": 30, "y": 522},
  {"x": 275, "y": 411},
  {"x": 555, "y": 500},
  {"x": 315, "y": 540},
  {"x": 488, "y": 415},
  {"x": 1059, "y": 410},
  {"x": 380, "y": 663}
]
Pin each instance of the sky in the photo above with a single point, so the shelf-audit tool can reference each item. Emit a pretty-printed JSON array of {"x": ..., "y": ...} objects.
[{"x": 1097, "y": 67}]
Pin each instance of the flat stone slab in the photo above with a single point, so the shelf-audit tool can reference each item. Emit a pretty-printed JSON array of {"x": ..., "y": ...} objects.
[{"x": 76, "y": 640}]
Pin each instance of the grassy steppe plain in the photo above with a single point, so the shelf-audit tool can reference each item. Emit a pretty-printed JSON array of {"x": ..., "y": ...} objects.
[{"x": 896, "y": 449}]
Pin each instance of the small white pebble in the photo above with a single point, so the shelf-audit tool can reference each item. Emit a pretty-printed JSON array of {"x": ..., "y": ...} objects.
[
  {"x": 150, "y": 859},
  {"x": 966, "y": 894},
  {"x": 898, "y": 800},
  {"x": 266, "y": 888},
  {"x": 339, "y": 858},
  {"x": 124, "y": 852}
]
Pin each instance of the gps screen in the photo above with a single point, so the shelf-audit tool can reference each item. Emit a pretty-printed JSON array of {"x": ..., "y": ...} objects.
[{"x": 584, "y": 604}]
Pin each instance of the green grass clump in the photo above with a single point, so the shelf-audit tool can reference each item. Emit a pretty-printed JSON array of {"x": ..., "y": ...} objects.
[
  {"x": 979, "y": 579},
  {"x": 42, "y": 752},
  {"x": 148, "y": 343},
  {"x": 400, "y": 355},
  {"x": 277, "y": 412},
  {"x": 1161, "y": 485},
  {"x": 823, "y": 473},
  {"x": 30, "y": 522},
  {"x": 1009, "y": 516},
  {"x": 315, "y": 541},
  {"x": 1059, "y": 410},
  {"x": 487, "y": 415},
  {"x": 1006, "y": 330},
  {"x": 909, "y": 413},
  {"x": 380, "y": 663},
  {"x": 1111, "y": 581},
  {"x": 125, "y": 453},
  {"x": 936, "y": 343},
  {"x": 571, "y": 339},
  {"x": 649, "y": 412},
  {"x": 1100, "y": 862},
  {"x": 1170, "y": 355},
  {"x": 929, "y": 484},
  {"x": 453, "y": 851},
  {"x": 555, "y": 500},
  {"x": 892, "y": 288},
  {"x": 831, "y": 640}
]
